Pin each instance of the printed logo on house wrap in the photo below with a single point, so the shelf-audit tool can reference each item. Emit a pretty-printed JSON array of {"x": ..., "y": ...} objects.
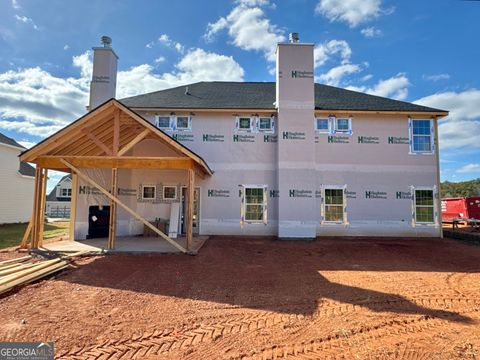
[
  {"x": 27, "y": 350},
  {"x": 218, "y": 193},
  {"x": 397, "y": 140},
  {"x": 351, "y": 194},
  {"x": 300, "y": 193},
  {"x": 274, "y": 193},
  {"x": 293, "y": 135},
  {"x": 403, "y": 195},
  {"x": 302, "y": 74},
  {"x": 244, "y": 138},
  {"x": 183, "y": 137},
  {"x": 270, "y": 138},
  {"x": 338, "y": 139},
  {"x": 368, "y": 140},
  {"x": 127, "y": 192},
  {"x": 213, "y": 138},
  {"x": 375, "y": 195},
  {"x": 88, "y": 190}
]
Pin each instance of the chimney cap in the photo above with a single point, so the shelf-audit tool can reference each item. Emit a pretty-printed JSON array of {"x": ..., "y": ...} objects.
[
  {"x": 106, "y": 41},
  {"x": 294, "y": 37}
]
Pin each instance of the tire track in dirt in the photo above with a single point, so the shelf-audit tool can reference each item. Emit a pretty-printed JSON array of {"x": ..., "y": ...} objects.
[
  {"x": 329, "y": 346},
  {"x": 164, "y": 341},
  {"x": 455, "y": 282}
]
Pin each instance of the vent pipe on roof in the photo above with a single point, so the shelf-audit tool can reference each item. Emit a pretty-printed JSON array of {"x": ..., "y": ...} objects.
[{"x": 294, "y": 37}]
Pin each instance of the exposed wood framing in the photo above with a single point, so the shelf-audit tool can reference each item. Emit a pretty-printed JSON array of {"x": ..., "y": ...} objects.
[
  {"x": 43, "y": 198},
  {"x": 36, "y": 206},
  {"x": 24, "y": 243},
  {"x": 73, "y": 206},
  {"x": 439, "y": 184},
  {"x": 112, "y": 227},
  {"x": 120, "y": 162},
  {"x": 190, "y": 198},
  {"x": 120, "y": 203},
  {"x": 116, "y": 131},
  {"x": 98, "y": 142},
  {"x": 134, "y": 142}
]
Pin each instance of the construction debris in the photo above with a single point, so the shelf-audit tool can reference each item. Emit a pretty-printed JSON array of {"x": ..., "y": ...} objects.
[{"x": 26, "y": 269}]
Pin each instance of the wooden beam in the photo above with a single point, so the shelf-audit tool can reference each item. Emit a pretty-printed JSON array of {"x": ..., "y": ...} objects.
[
  {"x": 120, "y": 203},
  {"x": 119, "y": 162},
  {"x": 97, "y": 142},
  {"x": 43, "y": 198},
  {"x": 24, "y": 243},
  {"x": 112, "y": 225},
  {"x": 36, "y": 198},
  {"x": 189, "y": 215},
  {"x": 134, "y": 142},
  {"x": 116, "y": 132},
  {"x": 73, "y": 207}
]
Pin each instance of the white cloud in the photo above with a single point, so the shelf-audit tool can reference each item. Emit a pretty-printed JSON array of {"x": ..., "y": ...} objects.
[
  {"x": 249, "y": 28},
  {"x": 165, "y": 40},
  {"x": 27, "y": 143},
  {"x": 66, "y": 47},
  {"x": 352, "y": 12},
  {"x": 371, "y": 32},
  {"x": 462, "y": 126},
  {"x": 16, "y": 5},
  {"x": 470, "y": 168},
  {"x": 26, "y": 20},
  {"x": 35, "y": 102},
  {"x": 325, "y": 51},
  {"x": 335, "y": 75},
  {"x": 436, "y": 77},
  {"x": 160, "y": 60},
  {"x": 395, "y": 87}
]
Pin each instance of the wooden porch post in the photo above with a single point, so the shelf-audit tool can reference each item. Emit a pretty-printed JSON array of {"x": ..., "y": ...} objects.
[
  {"x": 190, "y": 198},
  {"x": 43, "y": 198},
  {"x": 73, "y": 207},
  {"x": 36, "y": 198},
  {"x": 113, "y": 212}
]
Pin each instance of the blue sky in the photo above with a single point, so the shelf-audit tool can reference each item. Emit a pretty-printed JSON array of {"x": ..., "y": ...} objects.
[{"x": 419, "y": 51}]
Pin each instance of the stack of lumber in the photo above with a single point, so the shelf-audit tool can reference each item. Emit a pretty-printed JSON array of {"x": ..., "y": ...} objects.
[{"x": 24, "y": 270}]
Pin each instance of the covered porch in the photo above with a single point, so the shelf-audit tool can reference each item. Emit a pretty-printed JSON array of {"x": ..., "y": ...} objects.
[{"x": 104, "y": 151}]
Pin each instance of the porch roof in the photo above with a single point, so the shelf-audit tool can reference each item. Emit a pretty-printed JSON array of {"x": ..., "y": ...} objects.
[{"x": 103, "y": 137}]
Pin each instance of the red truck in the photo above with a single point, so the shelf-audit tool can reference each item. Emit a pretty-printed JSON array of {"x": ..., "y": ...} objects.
[{"x": 460, "y": 208}]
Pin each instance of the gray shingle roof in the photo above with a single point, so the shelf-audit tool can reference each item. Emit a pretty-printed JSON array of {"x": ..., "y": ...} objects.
[
  {"x": 261, "y": 95},
  {"x": 9, "y": 141},
  {"x": 26, "y": 169}
]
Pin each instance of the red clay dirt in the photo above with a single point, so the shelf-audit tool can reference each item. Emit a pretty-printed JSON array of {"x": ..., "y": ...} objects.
[{"x": 245, "y": 298}]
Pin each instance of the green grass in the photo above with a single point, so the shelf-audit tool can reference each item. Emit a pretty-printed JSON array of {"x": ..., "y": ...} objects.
[{"x": 12, "y": 234}]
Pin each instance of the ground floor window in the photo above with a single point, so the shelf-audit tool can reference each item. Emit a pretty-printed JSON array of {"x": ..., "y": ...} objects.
[
  {"x": 169, "y": 192},
  {"x": 254, "y": 204},
  {"x": 334, "y": 205},
  {"x": 424, "y": 206},
  {"x": 148, "y": 192}
]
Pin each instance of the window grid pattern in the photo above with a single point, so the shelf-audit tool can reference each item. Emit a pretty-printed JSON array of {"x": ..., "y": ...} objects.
[
  {"x": 424, "y": 206},
  {"x": 254, "y": 204},
  {"x": 421, "y": 136},
  {"x": 148, "y": 192},
  {"x": 334, "y": 205}
]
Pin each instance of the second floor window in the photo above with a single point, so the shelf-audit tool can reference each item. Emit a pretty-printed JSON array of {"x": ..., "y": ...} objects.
[{"x": 421, "y": 136}]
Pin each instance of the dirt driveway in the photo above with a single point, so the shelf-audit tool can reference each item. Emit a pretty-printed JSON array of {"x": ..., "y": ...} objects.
[{"x": 254, "y": 298}]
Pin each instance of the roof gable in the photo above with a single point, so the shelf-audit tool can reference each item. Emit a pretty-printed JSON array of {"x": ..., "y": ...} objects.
[{"x": 9, "y": 141}]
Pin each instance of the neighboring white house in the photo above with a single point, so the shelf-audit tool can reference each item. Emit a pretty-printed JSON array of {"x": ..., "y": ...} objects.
[
  {"x": 16, "y": 183},
  {"x": 58, "y": 201}
]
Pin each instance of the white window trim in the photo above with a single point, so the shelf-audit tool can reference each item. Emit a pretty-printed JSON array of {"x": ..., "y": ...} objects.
[
  {"x": 252, "y": 123},
  {"x": 169, "y": 186},
  {"x": 335, "y": 124},
  {"x": 434, "y": 206},
  {"x": 272, "y": 124},
  {"x": 188, "y": 128},
  {"x": 243, "y": 211},
  {"x": 410, "y": 138},
  {"x": 329, "y": 121},
  {"x": 323, "y": 205},
  {"x": 154, "y": 195},
  {"x": 169, "y": 128},
  {"x": 173, "y": 122}
]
